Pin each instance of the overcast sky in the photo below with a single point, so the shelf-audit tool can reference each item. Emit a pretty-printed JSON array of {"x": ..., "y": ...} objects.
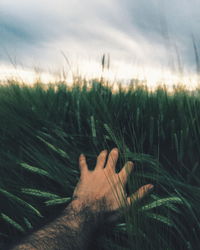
[{"x": 148, "y": 33}]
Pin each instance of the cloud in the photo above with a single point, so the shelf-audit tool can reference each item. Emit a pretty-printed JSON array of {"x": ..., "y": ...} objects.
[
  {"x": 147, "y": 33},
  {"x": 169, "y": 22}
]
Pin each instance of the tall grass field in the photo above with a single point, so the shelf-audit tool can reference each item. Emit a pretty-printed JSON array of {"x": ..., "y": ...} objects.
[{"x": 44, "y": 129}]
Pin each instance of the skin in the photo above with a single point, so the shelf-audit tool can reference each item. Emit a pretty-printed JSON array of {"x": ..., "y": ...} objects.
[{"x": 98, "y": 196}]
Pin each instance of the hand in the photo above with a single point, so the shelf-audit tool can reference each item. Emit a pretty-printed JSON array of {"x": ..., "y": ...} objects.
[{"x": 104, "y": 185}]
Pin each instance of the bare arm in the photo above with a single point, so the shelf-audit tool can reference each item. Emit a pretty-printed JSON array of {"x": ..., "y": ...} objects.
[
  {"x": 70, "y": 231},
  {"x": 98, "y": 193}
]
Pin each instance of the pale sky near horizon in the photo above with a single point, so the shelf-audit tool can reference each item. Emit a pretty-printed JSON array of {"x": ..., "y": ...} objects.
[{"x": 142, "y": 37}]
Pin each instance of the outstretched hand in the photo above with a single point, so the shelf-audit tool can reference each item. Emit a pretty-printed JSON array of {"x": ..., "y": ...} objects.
[
  {"x": 102, "y": 191},
  {"x": 104, "y": 185}
]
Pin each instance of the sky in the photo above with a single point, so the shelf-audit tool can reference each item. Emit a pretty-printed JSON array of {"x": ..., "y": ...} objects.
[{"x": 151, "y": 39}]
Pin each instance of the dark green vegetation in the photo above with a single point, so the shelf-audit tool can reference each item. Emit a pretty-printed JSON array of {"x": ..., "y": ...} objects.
[{"x": 44, "y": 130}]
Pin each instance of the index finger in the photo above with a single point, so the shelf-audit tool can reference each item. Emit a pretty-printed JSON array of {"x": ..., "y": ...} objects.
[{"x": 125, "y": 172}]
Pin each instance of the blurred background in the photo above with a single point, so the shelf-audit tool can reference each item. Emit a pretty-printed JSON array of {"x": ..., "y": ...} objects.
[{"x": 156, "y": 41}]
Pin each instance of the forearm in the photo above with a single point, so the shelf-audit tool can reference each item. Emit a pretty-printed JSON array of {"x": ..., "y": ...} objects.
[
  {"x": 102, "y": 192},
  {"x": 70, "y": 231}
]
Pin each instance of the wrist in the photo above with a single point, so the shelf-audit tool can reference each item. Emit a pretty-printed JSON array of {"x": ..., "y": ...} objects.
[
  {"x": 95, "y": 206},
  {"x": 81, "y": 213},
  {"x": 77, "y": 205}
]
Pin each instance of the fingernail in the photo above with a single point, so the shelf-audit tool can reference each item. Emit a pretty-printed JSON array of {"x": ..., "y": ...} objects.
[
  {"x": 130, "y": 163},
  {"x": 150, "y": 187}
]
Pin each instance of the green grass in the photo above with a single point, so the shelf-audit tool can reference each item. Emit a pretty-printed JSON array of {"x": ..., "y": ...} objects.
[{"x": 44, "y": 129}]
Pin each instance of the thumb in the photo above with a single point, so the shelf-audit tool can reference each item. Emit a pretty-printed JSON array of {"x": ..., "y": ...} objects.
[{"x": 140, "y": 193}]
